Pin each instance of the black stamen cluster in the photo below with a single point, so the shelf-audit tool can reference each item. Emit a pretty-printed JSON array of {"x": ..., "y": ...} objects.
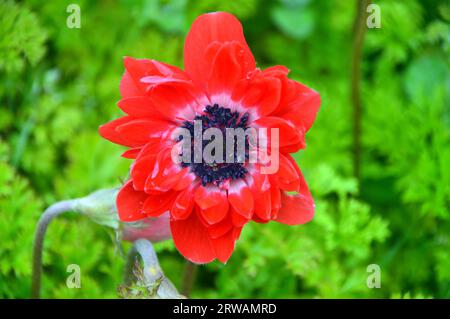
[{"x": 218, "y": 117}]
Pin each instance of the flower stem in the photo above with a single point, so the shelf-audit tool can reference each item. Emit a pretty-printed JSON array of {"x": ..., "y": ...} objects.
[
  {"x": 145, "y": 250},
  {"x": 152, "y": 270},
  {"x": 189, "y": 274},
  {"x": 38, "y": 245},
  {"x": 359, "y": 29}
]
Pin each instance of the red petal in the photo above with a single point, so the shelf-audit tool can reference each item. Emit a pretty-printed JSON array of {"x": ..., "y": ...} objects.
[
  {"x": 304, "y": 108},
  {"x": 141, "y": 169},
  {"x": 130, "y": 84},
  {"x": 131, "y": 153},
  {"x": 165, "y": 173},
  {"x": 288, "y": 174},
  {"x": 154, "y": 146},
  {"x": 299, "y": 208},
  {"x": 298, "y": 104},
  {"x": 260, "y": 187},
  {"x": 276, "y": 70},
  {"x": 237, "y": 219},
  {"x": 213, "y": 203},
  {"x": 128, "y": 87},
  {"x": 263, "y": 206},
  {"x": 257, "y": 180},
  {"x": 260, "y": 92},
  {"x": 221, "y": 228},
  {"x": 158, "y": 204},
  {"x": 138, "y": 106},
  {"x": 141, "y": 131},
  {"x": 175, "y": 103},
  {"x": 256, "y": 219},
  {"x": 129, "y": 203},
  {"x": 237, "y": 232},
  {"x": 295, "y": 209},
  {"x": 208, "y": 28},
  {"x": 192, "y": 239},
  {"x": 155, "y": 80},
  {"x": 183, "y": 205},
  {"x": 136, "y": 69},
  {"x": 226, "y": 67},
  {"x": 224, "y": 246},
  {"x": 185, "y": 181},
  {"x": 288, "y": 90},
  {"x": 173, "y": 180},
  {"x": 216, "y": 213},
  {"x": 275, "y": 198},
  {"x": 168, "y": 179},
  {"x": 241, "y": 198},
  {"x": 109, "y": 132},
  {"x": 208, "y": 196},
  {"x": 289, "y": 135}
]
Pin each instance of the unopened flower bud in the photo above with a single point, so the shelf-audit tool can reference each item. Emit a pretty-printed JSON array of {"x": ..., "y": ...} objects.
[
  {"x": 154, "y": 229},
  {"x": 100, "y": 207}
]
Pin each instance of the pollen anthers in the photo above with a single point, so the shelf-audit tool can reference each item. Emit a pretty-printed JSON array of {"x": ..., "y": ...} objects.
[{"x": 222, "y": 118}]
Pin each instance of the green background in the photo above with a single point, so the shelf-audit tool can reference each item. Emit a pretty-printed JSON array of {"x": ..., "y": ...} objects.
[{"x": 57, "y": 85}]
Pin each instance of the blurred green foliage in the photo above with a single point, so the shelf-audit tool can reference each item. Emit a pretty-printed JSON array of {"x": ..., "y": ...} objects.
[{"x": 57, "y": 85}]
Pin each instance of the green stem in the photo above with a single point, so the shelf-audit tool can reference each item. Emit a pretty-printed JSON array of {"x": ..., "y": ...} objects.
[
  {"x": 38, "y": 245},
  {"x": 189, "y": 274},
  {"x": 358, "y": 40}
]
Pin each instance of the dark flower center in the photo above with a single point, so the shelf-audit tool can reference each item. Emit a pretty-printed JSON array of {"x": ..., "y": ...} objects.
[{"x": 215, "y": 116}]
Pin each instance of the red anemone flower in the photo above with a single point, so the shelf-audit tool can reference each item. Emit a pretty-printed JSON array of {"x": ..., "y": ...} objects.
[{"x": 221, "y": 85}]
